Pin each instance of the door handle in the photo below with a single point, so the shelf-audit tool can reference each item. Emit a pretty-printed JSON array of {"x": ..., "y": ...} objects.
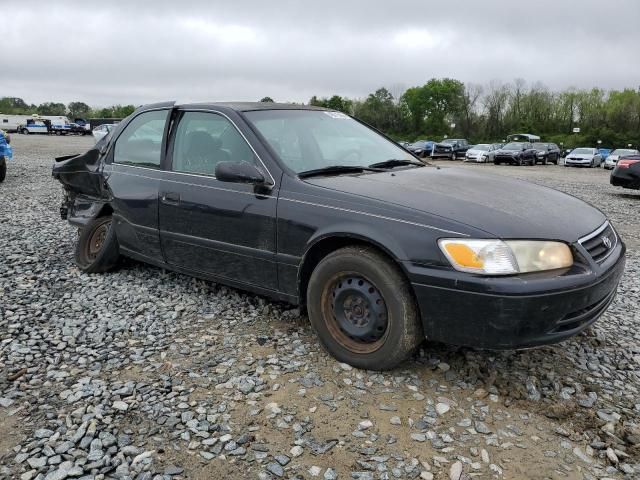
[{"x": 171, "y": 198}]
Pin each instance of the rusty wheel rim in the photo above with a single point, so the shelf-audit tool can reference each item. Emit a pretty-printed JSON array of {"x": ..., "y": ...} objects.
[
  {"x": 355, "y": 312},
  {"x": 97, "y": 240}
]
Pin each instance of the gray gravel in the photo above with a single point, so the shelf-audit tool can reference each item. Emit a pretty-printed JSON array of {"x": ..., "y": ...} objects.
[{"x": 146, "y": 374}]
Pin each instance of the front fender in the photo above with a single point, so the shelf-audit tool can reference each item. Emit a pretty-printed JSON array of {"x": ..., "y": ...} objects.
[
  {"x": 362, "y": 232},
  {"x": 82, "y": 210}
]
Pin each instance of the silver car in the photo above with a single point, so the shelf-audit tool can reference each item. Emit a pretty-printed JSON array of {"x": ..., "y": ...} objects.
[
  {"x": 612, "y": 159},
  {"x": 583, "y": 157},
  {"x": 481, "y": 153}
]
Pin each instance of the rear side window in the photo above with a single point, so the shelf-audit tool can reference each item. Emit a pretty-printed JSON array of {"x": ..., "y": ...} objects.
[
  {"x": 140, "y": 144},
  {"x": 205, "y": 139}
]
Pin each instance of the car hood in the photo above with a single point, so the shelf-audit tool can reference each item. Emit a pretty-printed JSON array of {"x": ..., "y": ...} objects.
[
  {"x": 500, "y": 206},
  {"x": 581, "y": 156},
  {"x": 509, "y": 152},
  {"x": 613, "y": 157},
  {"x": 473, "y": 151}
]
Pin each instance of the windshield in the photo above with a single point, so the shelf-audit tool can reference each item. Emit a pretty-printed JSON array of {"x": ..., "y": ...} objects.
[
  {"x": 623, "y": 151},
  {"x": 513, "y": 146},
  {"x": 482, "y": 146},
  {"x": 311, "y": 139},
  {"x": 587, "y": 151},
  {"x": 540, "y": 146}
]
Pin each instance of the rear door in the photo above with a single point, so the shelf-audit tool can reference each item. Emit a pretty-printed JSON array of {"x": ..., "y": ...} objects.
[
  {"x": 133, "y": 176},
  {"x": 224, "y": 230}
]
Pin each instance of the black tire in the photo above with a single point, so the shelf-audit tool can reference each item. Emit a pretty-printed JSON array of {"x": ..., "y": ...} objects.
[
  {"x": 25, "y": 131},
  {"x": 3, "y": 169},
  {"x": 375, "y": 301},
  {"x": 97, "y": 247}
]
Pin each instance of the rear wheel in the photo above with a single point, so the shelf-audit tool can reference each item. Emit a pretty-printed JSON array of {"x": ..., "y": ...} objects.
[
  {"x": 3, "y": 169},
  {"x": 25, "y": 131},
  {"x": 97, "y": 247},
  {"x": 362, "y": 309}
]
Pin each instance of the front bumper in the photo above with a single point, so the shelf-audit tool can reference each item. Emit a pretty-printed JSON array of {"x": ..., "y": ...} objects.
[
  {"x": 513, "y": 312},
  {"x": 625, "y": 178},
  {"x": 577, "y": 163},
  {"x": 506, "y": 159}
]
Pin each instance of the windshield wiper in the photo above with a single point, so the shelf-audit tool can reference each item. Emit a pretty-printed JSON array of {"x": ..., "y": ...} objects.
[
  {"x": 395, "y": 162},
  {"x": 336, "y": 170}
]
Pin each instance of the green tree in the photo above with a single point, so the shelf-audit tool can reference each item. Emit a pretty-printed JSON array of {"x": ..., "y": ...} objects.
[
  {"x": 15, "y": 106},
  {"x": 52, "y": 108},
  {"x": 267, "y": 100},
  {"x": 434, "y": 105},
  {"x": 79, "y": 110}
]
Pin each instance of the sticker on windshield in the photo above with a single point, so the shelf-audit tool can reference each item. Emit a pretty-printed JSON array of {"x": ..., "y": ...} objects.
[{"x": 336, "y": 115}]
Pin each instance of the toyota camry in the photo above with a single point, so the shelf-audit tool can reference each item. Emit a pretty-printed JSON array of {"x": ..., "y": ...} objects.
[{"x": 312, "y": 207}]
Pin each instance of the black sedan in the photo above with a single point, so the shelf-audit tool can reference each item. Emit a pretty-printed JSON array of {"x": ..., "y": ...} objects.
[
  {"x": 626, "y": 173},
  {"x": 547, "y": 153},
  {"x": 516, "y": 153},
  {"x": 312, "y": 207}
]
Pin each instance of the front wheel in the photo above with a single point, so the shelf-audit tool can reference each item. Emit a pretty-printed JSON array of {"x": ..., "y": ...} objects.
[
  {"x": 25, "y": 131},
  {"x": 97, "y": 247},
  {"x": 3, "y": 169},
  {"x": 362, "y": 309}
]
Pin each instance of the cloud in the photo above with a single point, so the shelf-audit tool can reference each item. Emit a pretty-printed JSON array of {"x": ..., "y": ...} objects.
[{"x": 143, "y": 51}]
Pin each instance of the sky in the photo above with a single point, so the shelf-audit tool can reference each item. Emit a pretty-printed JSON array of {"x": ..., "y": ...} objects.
[{"x": 136, "y": 52}]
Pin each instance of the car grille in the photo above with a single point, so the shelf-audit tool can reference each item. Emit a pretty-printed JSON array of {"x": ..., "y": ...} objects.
[{"x": 601, "y": 243}]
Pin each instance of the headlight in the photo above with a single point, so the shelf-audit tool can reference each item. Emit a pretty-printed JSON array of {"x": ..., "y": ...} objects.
[
  {"x": 498, "y": 257},
  {"x": 541, "y": 154}
]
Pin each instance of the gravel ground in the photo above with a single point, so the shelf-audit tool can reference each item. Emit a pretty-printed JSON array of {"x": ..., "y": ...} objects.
[{"x": 146, "y": 374}]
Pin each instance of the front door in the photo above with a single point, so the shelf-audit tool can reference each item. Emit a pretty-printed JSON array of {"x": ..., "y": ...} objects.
[{"x": 225, "y": 230}]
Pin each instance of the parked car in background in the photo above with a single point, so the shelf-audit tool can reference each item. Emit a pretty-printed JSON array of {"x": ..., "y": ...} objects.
[
  {"x": 516, "y": 153},
  {"x": 451, "y": 148},
  {"x": 547, "y": 153},
  {"x": 34, "y": 126},
  {"x": 523, "y": 137},
  {"x": 604, "y": 153},
  {"x": 321, "y": 211},
  {"x": 101, "y": 131},
  {"x": 565, "y": 151},
  {"x": 626, "y": 173},
  {"x": 481, "y": 153},
  {"x": 583, "y": 157},
  {"x": 421, "y": 148},
  {"x": 403, "y": 143},
  {"x": 612, "y": 159}
]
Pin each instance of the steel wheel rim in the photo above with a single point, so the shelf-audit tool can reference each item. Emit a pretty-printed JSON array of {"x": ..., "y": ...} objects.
[
  {"x": 97, "y": 240},
  {"x": 355, "y": 312}
]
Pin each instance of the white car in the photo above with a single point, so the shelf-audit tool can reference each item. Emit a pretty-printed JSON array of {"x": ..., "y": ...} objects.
[
  {"x": 483, "y": 152},
  {"x": 102, "y": 131},
  {"x": 583, "y": 157},
  {"x": 612, "y": 159}
]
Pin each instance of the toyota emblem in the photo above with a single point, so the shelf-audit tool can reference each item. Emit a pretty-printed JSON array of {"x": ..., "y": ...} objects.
[{"x": 606, "y": 242}]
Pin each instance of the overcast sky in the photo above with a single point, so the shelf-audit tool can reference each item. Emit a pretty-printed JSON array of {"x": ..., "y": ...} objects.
[{"x": 105, "y": 52}]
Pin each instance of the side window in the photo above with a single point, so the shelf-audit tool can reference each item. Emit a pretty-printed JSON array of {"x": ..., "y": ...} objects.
[
  {"x": 203, "y": 140},
  {"x": 140, "y": 143}
]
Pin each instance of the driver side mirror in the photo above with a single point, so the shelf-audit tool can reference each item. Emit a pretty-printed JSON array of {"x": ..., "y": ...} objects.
[{"x": 239, "y": 172}]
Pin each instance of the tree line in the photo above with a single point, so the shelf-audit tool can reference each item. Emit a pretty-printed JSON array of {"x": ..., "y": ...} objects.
[
  {"x": 445, "y": 106},
  {"x": 487, "y": 113},
  {"x": 17, "y": 106}
]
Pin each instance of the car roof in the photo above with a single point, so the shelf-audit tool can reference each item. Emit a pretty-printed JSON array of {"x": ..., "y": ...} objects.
[{"x": 252, "y": 106}]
